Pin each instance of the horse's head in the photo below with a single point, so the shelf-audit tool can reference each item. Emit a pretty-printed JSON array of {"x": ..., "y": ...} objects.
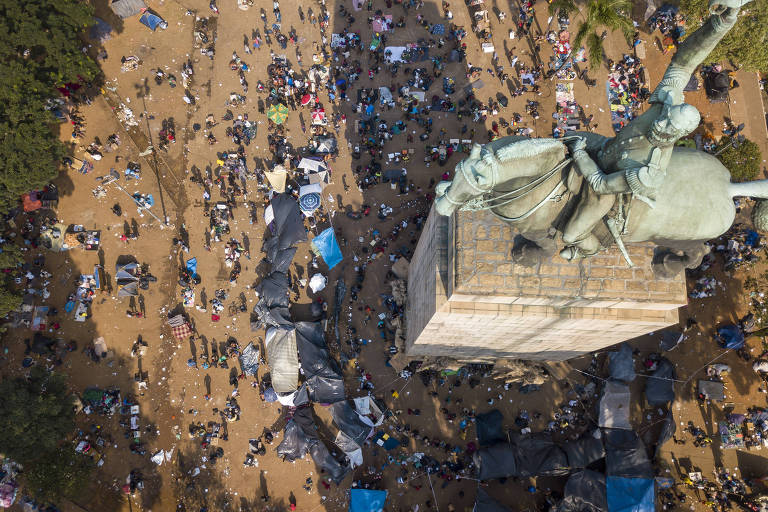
[{"x": 472, "y": 178}]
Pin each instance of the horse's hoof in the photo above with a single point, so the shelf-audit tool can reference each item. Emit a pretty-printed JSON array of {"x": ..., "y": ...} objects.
[{"x": 571, "y": 253}]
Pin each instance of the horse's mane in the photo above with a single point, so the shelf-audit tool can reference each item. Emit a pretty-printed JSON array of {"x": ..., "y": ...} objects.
[{"x": 529, "y": 148}]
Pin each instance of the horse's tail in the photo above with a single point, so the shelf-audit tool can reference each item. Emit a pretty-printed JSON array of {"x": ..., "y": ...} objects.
[{"x": 758, "y": 190}]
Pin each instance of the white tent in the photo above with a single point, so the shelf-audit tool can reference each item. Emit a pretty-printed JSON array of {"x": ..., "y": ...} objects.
[
  {"x": 283, "y": 359},
  {"x": 127, "y": 8},
  {"x": 311, "y": 188},
  {"x": 277, "y": 177},
  {"x": 312, "y": 165}
]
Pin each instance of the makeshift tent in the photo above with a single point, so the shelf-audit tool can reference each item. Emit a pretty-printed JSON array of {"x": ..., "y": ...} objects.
[
  {"x": 312, "y": 165},
  {"x": 484, "y": 503},
  {"x": 272, "y": 307},
  {"x": 283, "y": 359},
  {"x": 152, "y": 20},
  {"x": 626, "y": 455},
  {"x": 730, "y": 337},
  {"x": 526, "y": 456},
  {"x": 323, "y": 145},
  {"x": 584, "y": 492},
  {"x": 614, "y": 406},
  {"x": 127, "y": 8},
  {"x": 621, "y": 365},
  {"x": 326, "y": 245},
  {"x": 670, "y": 340},
  {"x": 127, "y": 280},
  {"x": 249, "y": 360},
  {"x": 716, "y": 85},
  {"x": 284, "y": 219},
  {"x": 659, "y": 387},
  {"x": 352, "y": 431},
  {"x": 489, "y": 428},
  {"x": 277, "y": 177},
  {"x": 300, "y": 436},
  {"x": 630, "y": 494},
  {"x": 322, "y": 373},
  {"x": 366, "y": 500},
  {"x": 100, "y": 31}
]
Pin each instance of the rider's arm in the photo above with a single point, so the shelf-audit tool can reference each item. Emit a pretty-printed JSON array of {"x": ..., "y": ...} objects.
[
  {"x": 690, "y": 53},
  {"x": 600, "y": 182}
]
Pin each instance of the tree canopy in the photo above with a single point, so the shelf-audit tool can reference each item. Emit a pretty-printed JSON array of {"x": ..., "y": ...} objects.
[
  {"x": 35, "y": 414},
  {"x": 65, "y": 473},
  {"x": 607, "y": 15},
  {"x": 747, "y": 42},
  {"x": 36, "y": 418},
  {"x": 742, "y": 161},
  {"x": 39, "y": 51}
]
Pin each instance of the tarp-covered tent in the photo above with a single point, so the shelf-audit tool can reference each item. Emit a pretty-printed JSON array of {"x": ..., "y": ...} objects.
[
  {"x": 277, "y": 177},
  {"x": 584, "y": 492},
  {"x": 716, "y": 85},
  {"x": 489, "y": 428},
  {"x": 249, "y": 360},
  {"x": 366, "y": 500},
  {"x": 730, "y": 337},
  {"x": 614, "y": 406},
  {"x": 322, "y": 373},
  {"x": 127, "y": 8},
  {"x": 484, "y": 503},
  {"x": 659, "y": 386},
  {"x": 626, "y": 455},
  {"x": 127, "y": 281},
  {"x": 300, "y": 436},
  {"x": 325, "y": 243},
  {"x": 530, "y": 455},
  {"x": 323, "y": 145},
  {"x": 272, "y": 307},
  {"x": 630, "y": 494},
  {"x": 283, "y": 359},
  {"x": 284, "y": 219},
  {"x": 153, "y": 21},
  {"x": 621, "y": 365},
  {"x": 352, "y": 431},
  {"x": 100, "y": 31}
]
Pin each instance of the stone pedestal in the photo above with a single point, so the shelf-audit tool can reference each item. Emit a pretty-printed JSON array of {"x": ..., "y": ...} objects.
[{"x": 467, "y": 300}]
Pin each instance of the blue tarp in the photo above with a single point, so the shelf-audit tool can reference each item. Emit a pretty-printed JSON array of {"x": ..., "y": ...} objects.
[
  {"x": 731, "y": 337},
  {"x": 630, "y": 494},
  {"x": 325, "y": 243},
  {"x": 365, "y": 500},
  {"x": 152, "y": 20},
  {"x": 192, "y": 266}
]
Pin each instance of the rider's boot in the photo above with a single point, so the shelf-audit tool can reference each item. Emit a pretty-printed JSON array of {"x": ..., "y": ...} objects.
[{"x": 584, "y": 248}]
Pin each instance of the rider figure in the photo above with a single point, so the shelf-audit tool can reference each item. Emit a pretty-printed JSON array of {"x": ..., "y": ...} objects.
[{"x": 635, "y": 161}]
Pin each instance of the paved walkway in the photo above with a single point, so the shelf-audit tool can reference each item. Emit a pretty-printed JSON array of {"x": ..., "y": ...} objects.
[{"x": 746, "y": 106}]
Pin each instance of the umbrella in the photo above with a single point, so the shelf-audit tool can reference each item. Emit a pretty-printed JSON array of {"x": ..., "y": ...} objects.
[
  {"x": 277, "y": 113},
  {"x": 309, "y": 202},
  {"x": 306, "y": 99},
  {"x": 318, "y": 116}
]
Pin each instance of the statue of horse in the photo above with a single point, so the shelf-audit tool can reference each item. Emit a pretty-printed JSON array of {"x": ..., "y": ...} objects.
[{"x": 530, "y": 184}]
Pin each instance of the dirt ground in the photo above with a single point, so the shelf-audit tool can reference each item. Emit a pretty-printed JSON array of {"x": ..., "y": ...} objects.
[{"x": 176, "y": 393}]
